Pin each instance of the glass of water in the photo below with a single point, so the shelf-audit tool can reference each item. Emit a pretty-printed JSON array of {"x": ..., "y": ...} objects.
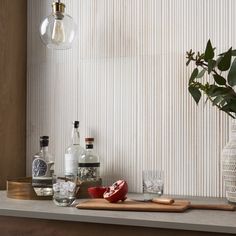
[
  {"x": 153, "y": 184},
  {"x": 64, "y": 189}
]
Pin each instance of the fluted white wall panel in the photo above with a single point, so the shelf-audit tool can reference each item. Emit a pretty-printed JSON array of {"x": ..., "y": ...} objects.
[{"x": 126, "y": 81}]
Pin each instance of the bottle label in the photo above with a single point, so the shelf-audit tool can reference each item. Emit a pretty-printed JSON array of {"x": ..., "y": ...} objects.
[
  {"x": 88, "y": 172},
  {"x": 89, "y": 146},
  {"x": 39, "y": 168},
  {"x": 96, "y": 164},
  {"x": 42, "y": 182},
  {"x": 71, "y": 164}
]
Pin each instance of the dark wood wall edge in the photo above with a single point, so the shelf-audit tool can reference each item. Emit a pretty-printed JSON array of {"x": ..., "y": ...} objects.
[
  {"x": 13, "y": 66},
  {"x": 37, "y": 227}
]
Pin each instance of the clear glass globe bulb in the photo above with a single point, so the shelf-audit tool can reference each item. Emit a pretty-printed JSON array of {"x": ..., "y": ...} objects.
[{"x": 58, "y": 33}]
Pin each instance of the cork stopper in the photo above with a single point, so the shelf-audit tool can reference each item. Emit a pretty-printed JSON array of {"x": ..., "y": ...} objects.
[{"x": 89, "y": 140}]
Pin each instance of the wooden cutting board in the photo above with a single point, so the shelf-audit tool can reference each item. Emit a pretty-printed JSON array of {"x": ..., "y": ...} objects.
[{"x": 130, "y": 205}]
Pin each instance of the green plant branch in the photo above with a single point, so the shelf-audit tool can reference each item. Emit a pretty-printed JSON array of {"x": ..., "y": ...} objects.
[
  {"x": 219, "y": 106},
  {"x": 205, "y": 66},
  {"x": 202, "y": 88},
  {"x": 219, "y": 92}
]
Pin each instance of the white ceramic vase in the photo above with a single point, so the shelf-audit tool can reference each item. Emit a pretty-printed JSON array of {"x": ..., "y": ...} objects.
[{"x": 229, "y": 165}]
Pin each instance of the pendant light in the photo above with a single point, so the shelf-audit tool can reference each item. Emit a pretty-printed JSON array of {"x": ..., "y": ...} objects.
[{"x": 58, "y": 30}]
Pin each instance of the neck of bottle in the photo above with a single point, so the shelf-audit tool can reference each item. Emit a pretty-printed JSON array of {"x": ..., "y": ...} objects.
[
  {"x": 44, "y": 149},
  {"x": 75, "y": 137}
]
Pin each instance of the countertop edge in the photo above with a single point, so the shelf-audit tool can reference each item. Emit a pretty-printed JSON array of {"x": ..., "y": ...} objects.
[{"x": 119, "y": 221}]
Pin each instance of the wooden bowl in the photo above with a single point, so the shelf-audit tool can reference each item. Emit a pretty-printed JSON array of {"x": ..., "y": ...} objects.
[{"x": 21, "y": 188}]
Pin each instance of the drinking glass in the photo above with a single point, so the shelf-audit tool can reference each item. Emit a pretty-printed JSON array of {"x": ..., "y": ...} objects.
[
  {"x": 153, "y": 184},
  {"x": 64, "y": 189}
]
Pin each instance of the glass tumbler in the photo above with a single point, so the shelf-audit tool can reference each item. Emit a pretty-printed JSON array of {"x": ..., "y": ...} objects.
[
  {"x": 153, "y": 184},
  {"x": 64, "y": 189}
]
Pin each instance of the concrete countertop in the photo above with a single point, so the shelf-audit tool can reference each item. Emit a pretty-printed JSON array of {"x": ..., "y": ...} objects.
[{"x": 196, "y": 220}]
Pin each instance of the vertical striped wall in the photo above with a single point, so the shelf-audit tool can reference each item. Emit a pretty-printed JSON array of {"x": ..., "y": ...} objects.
[{"x": 126, "y": 81}]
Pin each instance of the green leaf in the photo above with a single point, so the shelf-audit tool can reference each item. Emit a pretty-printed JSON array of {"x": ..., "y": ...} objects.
[
  {"x": 228, "y": 97},
  {"x": 219, "y": 91},
  {"x": 218, "y": 60},
  {"x": 232, "y": 74},
  {"x": 230, "y": 106},
  {"x": 211, "y": 65},
  {"x": 209, "y": 52},
  {"x": 226, "y": 108},
  {"x": 210, "y": 89},
  {"x": 193, "y": 75},
  {"x": 219, "y": 79},
  {"x": 214, "y": 90},
  {"x": 222, "y": 103},
  {"x": 225, "y": 62},
  {"x": 233, "y": 53},
  {"x": 217, "y": 100},
  {"x": 201, "y": 74},
  {"x": 195, "y": 92}
]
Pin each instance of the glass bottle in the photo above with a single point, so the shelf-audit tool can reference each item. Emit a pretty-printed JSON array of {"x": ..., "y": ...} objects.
[
  {"x": 229, "y": 165},
  {"x": 43, "y": 169},
  {"x": 89, "y": 164},
  {"x": 73, "y": 152}
]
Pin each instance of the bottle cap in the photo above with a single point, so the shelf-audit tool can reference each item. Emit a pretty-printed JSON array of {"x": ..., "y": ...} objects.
[
  {"x": 44, "y": 141},
  {"x": 89, "y": 139},
  {"x": 58, "y": 10},
  {"x": 76, "y": 124}
]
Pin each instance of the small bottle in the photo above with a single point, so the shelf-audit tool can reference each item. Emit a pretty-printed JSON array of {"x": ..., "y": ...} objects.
[
  {"x": 73, "y": 152},
  {"x": 89, "y": 165},
  {"x": 43, "y": 169}
]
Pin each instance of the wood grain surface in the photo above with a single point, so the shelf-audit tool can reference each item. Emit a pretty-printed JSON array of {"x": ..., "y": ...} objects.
[
  {"x": 13, "y": 226},
  {"x": 130, "y": 205},
  {"x": 13, "y": 53},
  {"x": 21, "y": 188}
]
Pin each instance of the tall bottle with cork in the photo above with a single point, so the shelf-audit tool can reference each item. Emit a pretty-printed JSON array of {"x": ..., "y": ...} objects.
[
  {"x": 89, "y": 163},
  {"x": 43, "y": 169},
  {"x": 73, "y": 152}
]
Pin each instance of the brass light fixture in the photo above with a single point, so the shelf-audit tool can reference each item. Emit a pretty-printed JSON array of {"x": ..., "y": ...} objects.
[{"x": 58, "y": 30}]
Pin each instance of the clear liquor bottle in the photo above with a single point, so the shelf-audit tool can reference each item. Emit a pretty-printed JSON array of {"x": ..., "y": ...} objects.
[
  {"x": 43, "y": 169},
  {"x": 89, "y": 164},
  {"x": 73, "y": 152}
]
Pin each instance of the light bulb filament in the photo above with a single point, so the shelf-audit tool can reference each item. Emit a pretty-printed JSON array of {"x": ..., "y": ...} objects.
[{"x": 58, "y": 33}]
